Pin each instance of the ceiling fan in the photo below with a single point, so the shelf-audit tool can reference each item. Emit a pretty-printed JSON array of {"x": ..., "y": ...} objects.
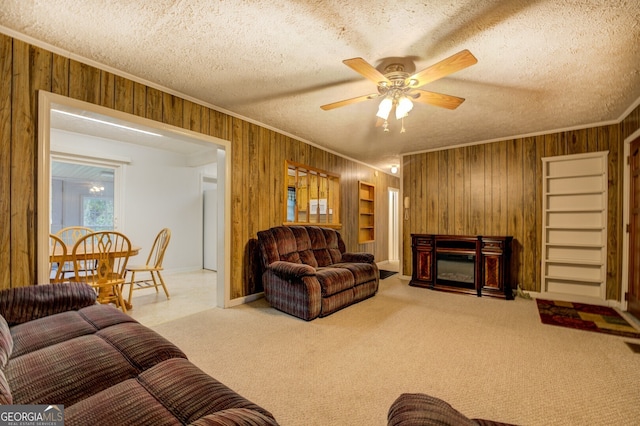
[{"x": 398, "y": 88}]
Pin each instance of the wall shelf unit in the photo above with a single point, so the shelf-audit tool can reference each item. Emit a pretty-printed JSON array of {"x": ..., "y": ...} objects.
[
  {"x": 574, "y": 219},
  {"x": 366, "y": 212}
]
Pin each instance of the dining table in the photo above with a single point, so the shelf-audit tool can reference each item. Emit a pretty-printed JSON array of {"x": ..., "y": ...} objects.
[{"x": 60, "y": 257}]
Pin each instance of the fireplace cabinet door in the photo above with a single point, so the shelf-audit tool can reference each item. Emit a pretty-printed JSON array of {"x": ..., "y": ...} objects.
[
  {"x": 422, "y": 261},
  {"x": 495, "y": 267}
]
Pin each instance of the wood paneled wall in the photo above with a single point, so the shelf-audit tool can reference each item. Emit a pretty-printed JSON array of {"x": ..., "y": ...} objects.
[
  {"x": 495, "y": 189},
  {"x": 631, "y": 123},
  {"x": 257, "y": 160}
]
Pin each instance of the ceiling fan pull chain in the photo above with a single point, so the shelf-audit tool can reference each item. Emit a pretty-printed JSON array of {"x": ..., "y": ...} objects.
[{"x": 402, "y": 130}]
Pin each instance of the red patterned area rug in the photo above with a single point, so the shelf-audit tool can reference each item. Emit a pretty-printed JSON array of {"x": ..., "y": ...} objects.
[{"x": 601, "y": 319}]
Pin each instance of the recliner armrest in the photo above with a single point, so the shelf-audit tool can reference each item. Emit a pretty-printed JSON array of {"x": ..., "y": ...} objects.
[
  {"x": 360, "y": 257},
  {"x": 21, "y": 304},
  {"x": 288, "y": 270}
]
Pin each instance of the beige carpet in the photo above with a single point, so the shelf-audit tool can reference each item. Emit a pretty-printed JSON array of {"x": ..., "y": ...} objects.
[{"x": 488, "y": 358}]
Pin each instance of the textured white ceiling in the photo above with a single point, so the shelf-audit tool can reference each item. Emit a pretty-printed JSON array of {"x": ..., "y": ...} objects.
[{"x": 542, "y": 65}]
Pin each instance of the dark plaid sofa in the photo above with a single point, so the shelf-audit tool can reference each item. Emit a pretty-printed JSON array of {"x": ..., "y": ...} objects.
[
  {"x": 419, "y": 409},
  {"x": 58, "y": 347},
  {"x": 306, "y": 271}
]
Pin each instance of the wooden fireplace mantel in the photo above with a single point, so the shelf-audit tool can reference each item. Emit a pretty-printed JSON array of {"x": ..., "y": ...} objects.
[{"x": 491, "y": 257}]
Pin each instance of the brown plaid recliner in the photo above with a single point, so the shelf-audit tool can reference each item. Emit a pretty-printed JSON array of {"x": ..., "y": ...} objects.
[{"x": 306, "y": 271}]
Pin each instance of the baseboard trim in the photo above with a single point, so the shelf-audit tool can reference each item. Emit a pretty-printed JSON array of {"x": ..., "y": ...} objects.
[{"x": 244, "y": 299}]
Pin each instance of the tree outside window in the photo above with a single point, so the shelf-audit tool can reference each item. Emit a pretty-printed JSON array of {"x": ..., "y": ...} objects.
[{"x": 97, "y": 213}]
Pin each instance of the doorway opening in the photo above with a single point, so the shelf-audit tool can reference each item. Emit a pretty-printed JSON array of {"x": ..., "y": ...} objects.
[
  {"x": 394, "y": 225},
  {"x": 190, "y": 145},
  {"x": 631, "y": 256}
]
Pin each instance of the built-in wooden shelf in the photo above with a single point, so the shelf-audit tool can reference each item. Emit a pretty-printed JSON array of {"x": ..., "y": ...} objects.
[
  {"x": 366, "y": 212},
  {"x": 574, "y": 223}
]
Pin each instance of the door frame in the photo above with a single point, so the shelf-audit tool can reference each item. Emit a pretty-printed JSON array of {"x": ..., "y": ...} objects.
[
  {"x": 45, "y": 102},
  {"x": 394, "y": 223},
  {"x": 626, "y": 187},
  {"x": 207, "y": 215}
]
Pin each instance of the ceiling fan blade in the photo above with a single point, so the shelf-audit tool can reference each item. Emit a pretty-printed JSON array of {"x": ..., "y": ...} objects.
[
  {"x": 438, "y": 99},
  {"x": 365, "y": 69},
  {"x": 349, "y": 101},
  {"x": 443, "y": 68}
]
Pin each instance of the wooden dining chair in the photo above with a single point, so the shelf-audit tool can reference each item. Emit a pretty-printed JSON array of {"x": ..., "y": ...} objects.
[
  {"x": 70, "y": 236},
  {"x": 100, "y": 260},
  {"x": 153, "y": 266},
  {"x": 57, "y": 246}
]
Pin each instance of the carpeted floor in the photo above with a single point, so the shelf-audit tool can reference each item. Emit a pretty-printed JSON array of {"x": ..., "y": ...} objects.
[
  {"x": 601, "y": 319},
  {"x": 488, "y": 358}
]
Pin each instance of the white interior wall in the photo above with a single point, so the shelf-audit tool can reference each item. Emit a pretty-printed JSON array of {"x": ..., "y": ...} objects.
[{"x": 159, "y": 190}]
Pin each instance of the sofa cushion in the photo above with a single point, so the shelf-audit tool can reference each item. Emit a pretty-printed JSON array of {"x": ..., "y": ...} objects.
[
  {"x": 334, "y": 280},
  {"x": 5, "y": 391},
  {"x": 70, "y": 356},
  {"x": 335, "y": 302},
  {"x": 204, "y": 395},
  {"x": 364, "y": 291},
  {"x": 67, "y": 372},
  {"x": 139, "y": 345},
  {"x": 6, "y": 343},
  {"x": 334, "y": 244},
  {"x": 362, "y": 272},
  {"x": 37, "y": 334},
  {"x": 22, "y": 304},
  {"x": 43, "y": 332},
  {"x": 319, "y": 246},
  {"x": 103, "y": 316},
  {"x": 6, "y": 349},
  {"x": 125, "y": 403},
  {"x": 286, "y": 246},
  {"x": 303, "y": 243},
  {"x": 172, "y": 392}
]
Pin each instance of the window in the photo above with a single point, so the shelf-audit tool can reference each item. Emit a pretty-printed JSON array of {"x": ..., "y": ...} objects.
[
  {"x": 312, "y": 196},
  {"x": 97, "y": 213},
  {"x": 83, "y": 194}
]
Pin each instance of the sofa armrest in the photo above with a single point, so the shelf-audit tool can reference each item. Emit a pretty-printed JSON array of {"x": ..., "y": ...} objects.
[
  {"x": 360, "y": 257},
  {"x": 414, "y": 409},
  {"x": 287, "y": 270},
  {"x": 22, "y": 304},
  {"x": 235, "y": 416}
]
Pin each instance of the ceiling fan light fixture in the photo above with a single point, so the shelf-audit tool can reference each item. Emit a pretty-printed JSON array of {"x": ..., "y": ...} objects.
[
  {"x": 404, "y": 106},
  {"x": 385, "y": 108}
]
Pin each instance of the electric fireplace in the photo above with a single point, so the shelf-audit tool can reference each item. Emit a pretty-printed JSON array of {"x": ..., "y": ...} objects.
[
  {"x": 456, "y": 269},
  {"x": 476, "y": 265}
]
